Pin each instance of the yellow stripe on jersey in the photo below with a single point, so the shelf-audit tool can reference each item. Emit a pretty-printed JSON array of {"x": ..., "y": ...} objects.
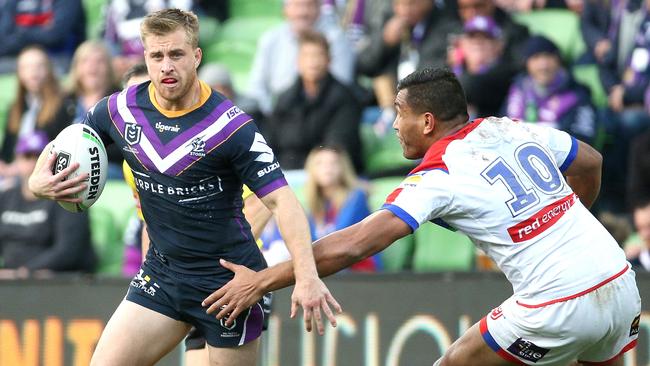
[{"x": 205, "y": 94}]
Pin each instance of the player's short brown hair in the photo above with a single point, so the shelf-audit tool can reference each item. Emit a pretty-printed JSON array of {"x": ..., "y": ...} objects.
[{"x": 166, "y": 21}]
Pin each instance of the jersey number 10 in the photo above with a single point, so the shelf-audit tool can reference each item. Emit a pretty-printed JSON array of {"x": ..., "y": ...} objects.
[{"x": 534, "y": 163}]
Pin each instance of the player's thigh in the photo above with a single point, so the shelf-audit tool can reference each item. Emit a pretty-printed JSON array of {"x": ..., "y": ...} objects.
[
  {"x": 127, "y": 338},
  {"x": 618, "y": 361},
  {"x": 471, "y": 350},
  {"x": 197, "y": 357},
  {"x": 244, "y": 355}
]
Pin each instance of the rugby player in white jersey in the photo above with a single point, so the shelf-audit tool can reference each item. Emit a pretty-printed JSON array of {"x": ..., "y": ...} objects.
[{"x": 521, "y": 192}]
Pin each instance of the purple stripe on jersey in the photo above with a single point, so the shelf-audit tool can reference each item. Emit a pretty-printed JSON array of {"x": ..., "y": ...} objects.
[
  {"x": 278, "y": 183},
  {"x": 254, "y": 323},
  {"x": 120, "y": 124},
  {"x": 165, "y": 149},
  {"x": 210, "y": 144}
]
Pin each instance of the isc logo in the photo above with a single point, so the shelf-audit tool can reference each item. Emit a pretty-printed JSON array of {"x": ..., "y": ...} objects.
[{"x": 62, "y": 161}]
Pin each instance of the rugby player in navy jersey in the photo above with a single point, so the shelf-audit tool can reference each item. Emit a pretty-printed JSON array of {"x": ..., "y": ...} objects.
[{"x": 190, "y": 150}]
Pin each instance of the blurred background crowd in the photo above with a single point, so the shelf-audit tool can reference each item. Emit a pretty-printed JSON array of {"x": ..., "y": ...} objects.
[{"x": 319, "y": 78}]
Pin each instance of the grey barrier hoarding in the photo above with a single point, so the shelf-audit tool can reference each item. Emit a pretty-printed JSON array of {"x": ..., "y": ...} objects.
[{"x": 389, "y": 320}]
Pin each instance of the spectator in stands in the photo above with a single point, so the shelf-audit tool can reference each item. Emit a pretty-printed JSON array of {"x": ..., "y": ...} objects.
[
  {"x": 39, "y": 234},
  {"x": 481, "y": 68},
  {"x": 334, "y": 197},
  {"x": 122, "y": 29},
  {"x": 316, "y": 110},
  {"x": 56, "y": 25},
  {"x": 513, "y": 35},
  {"x": 334, "y": 200},
  {"x": 597, "y": 28},
  {"x": 547, "y": 93},
  {"x": 218, "y": 78},
  {"x": 274, "y": 67},
  {"x": 39, "y": 105},
  {"x": 639, "y": 256},
  {"x": 356, "y": 17},
  {"x": 412, "y": 37},
  {"x": 625, "y": 76},
  {"x": 91, "y": 78}
]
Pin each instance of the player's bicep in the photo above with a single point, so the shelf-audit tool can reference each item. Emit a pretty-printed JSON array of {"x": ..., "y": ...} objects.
[{"x": 587, "y": 161}]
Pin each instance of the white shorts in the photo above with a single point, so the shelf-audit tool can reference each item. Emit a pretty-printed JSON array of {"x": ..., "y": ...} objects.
[{"x": 593, "y": 326}]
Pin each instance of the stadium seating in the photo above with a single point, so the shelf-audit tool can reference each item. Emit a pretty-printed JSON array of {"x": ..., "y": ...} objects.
[
  {"x": 94, "y": 10},
  {"x": 439, "y": 249},
  {"x": 559, "y": 25},
  {"x": 108, "y": 219},
  {"x": 236, "y": 45},
  {"x": 381, "y": 153},
  {"x": 7, "y": 90},
  {"x": 397, "y": 256},
  {"x": 255, "y": 8}
]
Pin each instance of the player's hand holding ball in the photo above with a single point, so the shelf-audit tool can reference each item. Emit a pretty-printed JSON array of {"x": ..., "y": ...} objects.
[{"x": 74, "y": 170}]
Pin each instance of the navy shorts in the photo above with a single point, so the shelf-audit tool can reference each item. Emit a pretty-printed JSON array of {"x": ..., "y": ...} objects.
[
  {"x": 179, "y": 297},
  {"x": 196, "y": 340}
]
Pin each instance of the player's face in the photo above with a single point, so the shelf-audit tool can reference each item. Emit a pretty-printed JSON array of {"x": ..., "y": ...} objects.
[
  {"x": 408, "y": 126},
  {"x": 172, "y": 64}
]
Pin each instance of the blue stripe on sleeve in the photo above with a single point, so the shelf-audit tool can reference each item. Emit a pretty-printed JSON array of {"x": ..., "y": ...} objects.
[
  {"x": 572, "y": 155},
  {"x": 399, "y": 212}
]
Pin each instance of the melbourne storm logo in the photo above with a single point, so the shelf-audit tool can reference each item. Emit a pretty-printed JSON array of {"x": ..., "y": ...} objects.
[
  {"x": 198, "y": 147},
  {"x": 132, "y": 133}
]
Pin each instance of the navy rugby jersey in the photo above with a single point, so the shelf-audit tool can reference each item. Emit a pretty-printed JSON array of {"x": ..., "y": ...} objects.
[{"x": 189, "y": 167}]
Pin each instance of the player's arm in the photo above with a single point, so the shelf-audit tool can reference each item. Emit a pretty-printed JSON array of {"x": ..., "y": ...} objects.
[
  {"x": 44, "y": 184},
  {"x": 310, "y": 292},
  {"x": 332, "y": 253},
  {"x": 584, "y": 173}
]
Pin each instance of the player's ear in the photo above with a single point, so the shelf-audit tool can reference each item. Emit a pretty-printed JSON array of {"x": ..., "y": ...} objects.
[
  {"x": 429, "y": 123},
  {"x": 198, "y": 56}
]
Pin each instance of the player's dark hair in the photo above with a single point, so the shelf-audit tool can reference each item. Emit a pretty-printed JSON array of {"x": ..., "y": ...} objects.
[
  {"x": 139, "y": 69},
  {"x": 437, "y": 91}
]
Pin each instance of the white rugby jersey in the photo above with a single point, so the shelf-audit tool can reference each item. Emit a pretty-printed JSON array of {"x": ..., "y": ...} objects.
[{"x": 500, "y": 182}]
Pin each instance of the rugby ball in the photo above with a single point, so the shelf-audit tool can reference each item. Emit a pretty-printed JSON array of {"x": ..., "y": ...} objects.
[{"x": 79, "y": 143}]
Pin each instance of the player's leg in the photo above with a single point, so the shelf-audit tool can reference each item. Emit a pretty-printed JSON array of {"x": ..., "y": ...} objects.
[
  {"x": 472, "y": 350},
  {"x": 618, "y": 361},
  {"x": 127, "y": 338},
  {"x": 244, "y": 355},
  {"x": 196, "y": 352}
]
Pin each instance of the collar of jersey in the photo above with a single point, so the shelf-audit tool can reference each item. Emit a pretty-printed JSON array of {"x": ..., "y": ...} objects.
[{"x": 203, "y": 97}]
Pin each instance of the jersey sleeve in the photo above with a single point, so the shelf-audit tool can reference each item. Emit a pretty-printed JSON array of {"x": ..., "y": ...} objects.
[
  {"x": 99, "y": 120},
  {"x": 254, "y": 161},
  {"x": 563, "y": 146},
  {"x": 421, "y": 197}
]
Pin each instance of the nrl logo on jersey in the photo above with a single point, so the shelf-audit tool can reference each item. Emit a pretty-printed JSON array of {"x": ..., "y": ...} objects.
[
  {"x": 132, "y": 133},
  {"x": 198, "y": 147}
]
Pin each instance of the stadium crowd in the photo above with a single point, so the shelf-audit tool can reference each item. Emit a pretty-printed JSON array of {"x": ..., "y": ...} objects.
[{"x": 319, "y": 77}]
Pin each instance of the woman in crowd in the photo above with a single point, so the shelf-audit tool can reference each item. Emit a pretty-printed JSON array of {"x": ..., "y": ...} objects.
[{"x": 39, "y": 105}]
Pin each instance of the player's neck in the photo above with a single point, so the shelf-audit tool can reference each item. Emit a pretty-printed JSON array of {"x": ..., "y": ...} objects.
[
  {"x": 448, "y": 128},
  {"x": 192, "y": 97}
]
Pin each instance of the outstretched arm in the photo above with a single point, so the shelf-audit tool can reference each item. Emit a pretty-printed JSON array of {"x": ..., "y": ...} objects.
[
  {"x": 310, "y": 292},
  {"x": 332, "y": 253},
  {"x": 584, "y": 173}
]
